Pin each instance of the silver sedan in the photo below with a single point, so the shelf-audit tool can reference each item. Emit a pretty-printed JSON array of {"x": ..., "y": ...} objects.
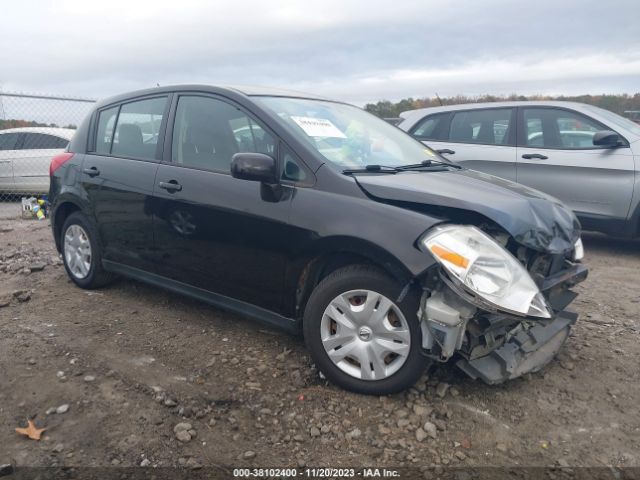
[{"x": 25, "y": 155}]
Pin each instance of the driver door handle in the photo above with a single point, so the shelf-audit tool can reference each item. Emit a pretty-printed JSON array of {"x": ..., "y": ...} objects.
[
  {"x": 445, "y": 150},
  {"x": 171, "y": 186},
  {"x": 537, "y": 156}
]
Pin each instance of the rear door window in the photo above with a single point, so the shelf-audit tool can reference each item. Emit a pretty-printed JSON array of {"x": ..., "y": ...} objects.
[
  {"x": 8, "y": 141},
  {"x": 138, "y": 128},
  {"x": 41, "y": 141},
  {"x": 489, "y": 126},
  {"x": 432, "y": 127}
]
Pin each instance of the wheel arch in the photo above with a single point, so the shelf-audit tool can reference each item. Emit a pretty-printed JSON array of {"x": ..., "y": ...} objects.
[
  {"x": 330, "y": 255},
  {"x": 60, "y": 215}
]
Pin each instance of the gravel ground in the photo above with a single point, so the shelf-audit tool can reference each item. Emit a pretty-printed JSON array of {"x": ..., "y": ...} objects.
[{"x": 131, "y": 375}]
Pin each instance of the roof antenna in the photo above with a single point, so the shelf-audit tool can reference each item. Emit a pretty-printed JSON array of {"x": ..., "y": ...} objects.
[
  {"x": 439, "y": 100},
  {"x": 157, "y": 84}
]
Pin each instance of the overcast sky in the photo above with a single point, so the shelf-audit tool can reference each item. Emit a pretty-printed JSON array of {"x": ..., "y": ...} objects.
[{"x": 358, "y": 51}]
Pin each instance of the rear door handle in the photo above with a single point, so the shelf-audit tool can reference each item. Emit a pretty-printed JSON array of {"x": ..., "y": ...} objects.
[
  {"x": 445, "y": 150},
  {"x": 171, "y": 186},
  {"x": 92, "y": 172},
  {"x": 538, "y": 156}
]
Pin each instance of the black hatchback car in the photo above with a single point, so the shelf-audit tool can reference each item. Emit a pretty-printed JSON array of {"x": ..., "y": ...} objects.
[{"x": 316, "y": 216}]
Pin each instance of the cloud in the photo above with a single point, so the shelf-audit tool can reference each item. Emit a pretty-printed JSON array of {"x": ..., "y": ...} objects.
[{"x": 357, "y": 51}]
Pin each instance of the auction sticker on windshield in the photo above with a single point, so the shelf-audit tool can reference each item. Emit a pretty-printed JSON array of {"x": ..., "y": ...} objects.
[{"x": 318, "y": 127}]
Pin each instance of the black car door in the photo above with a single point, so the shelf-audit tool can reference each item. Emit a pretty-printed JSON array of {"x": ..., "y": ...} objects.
[
  {"x": 118, "y": 174},
  {"x": 213, "y": 231}
]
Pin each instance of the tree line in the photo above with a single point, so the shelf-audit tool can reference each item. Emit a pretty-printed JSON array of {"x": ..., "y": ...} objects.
[
  {"x": 15, "y": 123},
  {"x": 615, "y": 103}
]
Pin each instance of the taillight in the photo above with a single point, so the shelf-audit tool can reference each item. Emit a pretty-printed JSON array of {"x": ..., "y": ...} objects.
[{"x": 58, "y": 161}]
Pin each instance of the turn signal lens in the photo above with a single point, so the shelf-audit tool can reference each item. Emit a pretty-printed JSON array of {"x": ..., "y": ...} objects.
[{"x": 449, "y": 256}]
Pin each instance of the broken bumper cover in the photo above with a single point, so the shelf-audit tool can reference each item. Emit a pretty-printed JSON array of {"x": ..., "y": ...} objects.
[{"x": 527, "y": 351}]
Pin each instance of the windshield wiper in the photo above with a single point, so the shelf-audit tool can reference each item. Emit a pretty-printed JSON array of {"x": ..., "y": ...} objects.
[
  {"x": 428, "y": 165},
  {"x": 372, "y": 169}
]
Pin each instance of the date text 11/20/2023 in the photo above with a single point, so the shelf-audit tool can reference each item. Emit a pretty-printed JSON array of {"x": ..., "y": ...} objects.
[{"x": 326, "y": 472}]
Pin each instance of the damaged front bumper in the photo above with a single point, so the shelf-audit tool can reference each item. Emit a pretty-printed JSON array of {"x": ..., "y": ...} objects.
[
  {"x": 496, "y": 346},
  {"x": 527, "y": 351}
]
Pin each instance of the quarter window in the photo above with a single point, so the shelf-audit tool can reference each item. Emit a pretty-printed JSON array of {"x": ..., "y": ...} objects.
[
  {"x": 8, "y": 141},
  {"x": 489, "y": 127},
  {"x": 561, "y": 129},
  {"x": 40, "y": 141},
  {"x": 106, "y": 126},
  {"x": 431, "y": 128},
  {"x": 208, "y": 132},
  {"x": 138, "y": 128}
]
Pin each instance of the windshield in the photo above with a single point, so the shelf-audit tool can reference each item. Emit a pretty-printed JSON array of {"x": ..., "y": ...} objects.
[
  {"x": 616, "y": 120},
  {"x": 346, "y": 135}
]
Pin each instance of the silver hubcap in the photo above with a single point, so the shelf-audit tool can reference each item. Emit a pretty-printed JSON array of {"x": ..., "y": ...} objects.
[
  {"x": 365, "y": 334},
  {"x": 77, "y": 251}
]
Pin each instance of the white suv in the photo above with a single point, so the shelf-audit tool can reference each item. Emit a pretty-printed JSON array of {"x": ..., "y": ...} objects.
[{"x": 583, "y": 155}]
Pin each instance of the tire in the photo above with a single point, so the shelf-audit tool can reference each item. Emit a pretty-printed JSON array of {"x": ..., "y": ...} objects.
[
  {"x": 78, "y": 226},
  {"x": 365, "y": 338}
]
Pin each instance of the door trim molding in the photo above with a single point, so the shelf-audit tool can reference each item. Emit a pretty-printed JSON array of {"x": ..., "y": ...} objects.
[{"x": 263, "y": 315}]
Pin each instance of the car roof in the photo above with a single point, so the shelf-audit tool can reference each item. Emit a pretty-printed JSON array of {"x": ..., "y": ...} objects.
[
  {"x": 472, "y": 106},
  {"x": 65, "y": 133},
  {"x": 247, "y": 90}
]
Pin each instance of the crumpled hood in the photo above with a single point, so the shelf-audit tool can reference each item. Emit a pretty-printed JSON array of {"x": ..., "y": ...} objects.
[{"x": 534, "y": 219}]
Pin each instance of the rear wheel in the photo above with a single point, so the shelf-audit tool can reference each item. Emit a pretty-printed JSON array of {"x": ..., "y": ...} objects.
[
  {"x": 81, "y": 252},
  {"x": 361, "y": 335}
]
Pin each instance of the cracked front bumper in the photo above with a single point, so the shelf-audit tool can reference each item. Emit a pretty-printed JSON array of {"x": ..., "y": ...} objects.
[
  {"x": 527, "y": 351},
  {"x": 531, "y": 349}
]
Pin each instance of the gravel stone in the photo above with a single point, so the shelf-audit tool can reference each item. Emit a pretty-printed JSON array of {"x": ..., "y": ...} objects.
[
  {"x": 441, "y": 389},
  {"x": 460, "y": 455},
  {"x": 63, "y": 408},
  {"x": 182, "y": 426},
  {"x": 430, "y": 429},
  {"x": 421, "y": 435}
]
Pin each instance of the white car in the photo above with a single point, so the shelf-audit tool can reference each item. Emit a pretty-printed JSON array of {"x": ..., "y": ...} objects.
[
  {"x": 25, "y": 155},
  {"x": 587, "y": 157}
]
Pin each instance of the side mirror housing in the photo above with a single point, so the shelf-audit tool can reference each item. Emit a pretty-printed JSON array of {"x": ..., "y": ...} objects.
[
  {"x": 256, "y": 167},
  {"x": 606, "y": 138}
]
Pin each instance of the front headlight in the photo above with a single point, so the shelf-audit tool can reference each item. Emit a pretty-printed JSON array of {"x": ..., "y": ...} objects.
[{"x": 487, "y": 269}]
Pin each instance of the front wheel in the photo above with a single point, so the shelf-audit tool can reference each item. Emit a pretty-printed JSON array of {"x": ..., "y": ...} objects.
[{"x": 362, "y": 336}]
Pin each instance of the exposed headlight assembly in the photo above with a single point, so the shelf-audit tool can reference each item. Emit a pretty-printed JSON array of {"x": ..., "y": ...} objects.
[{"x": 485, "y": 268}]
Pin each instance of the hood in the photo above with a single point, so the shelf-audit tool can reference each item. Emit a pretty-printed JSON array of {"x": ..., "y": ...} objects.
[{"x": 533, "y": 219}]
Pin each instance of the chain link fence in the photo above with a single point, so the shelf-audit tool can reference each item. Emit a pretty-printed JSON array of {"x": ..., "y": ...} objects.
[{"x": 33, "y": 129}]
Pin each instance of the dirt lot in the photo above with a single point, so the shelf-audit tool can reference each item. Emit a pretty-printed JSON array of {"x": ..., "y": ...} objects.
[{"x": 131, "y": 362}]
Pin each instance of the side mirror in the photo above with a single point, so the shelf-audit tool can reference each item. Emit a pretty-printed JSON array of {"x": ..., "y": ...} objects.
[
  {"x": 606, "y": 138},
  {"x": 257, "y": 167}
]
